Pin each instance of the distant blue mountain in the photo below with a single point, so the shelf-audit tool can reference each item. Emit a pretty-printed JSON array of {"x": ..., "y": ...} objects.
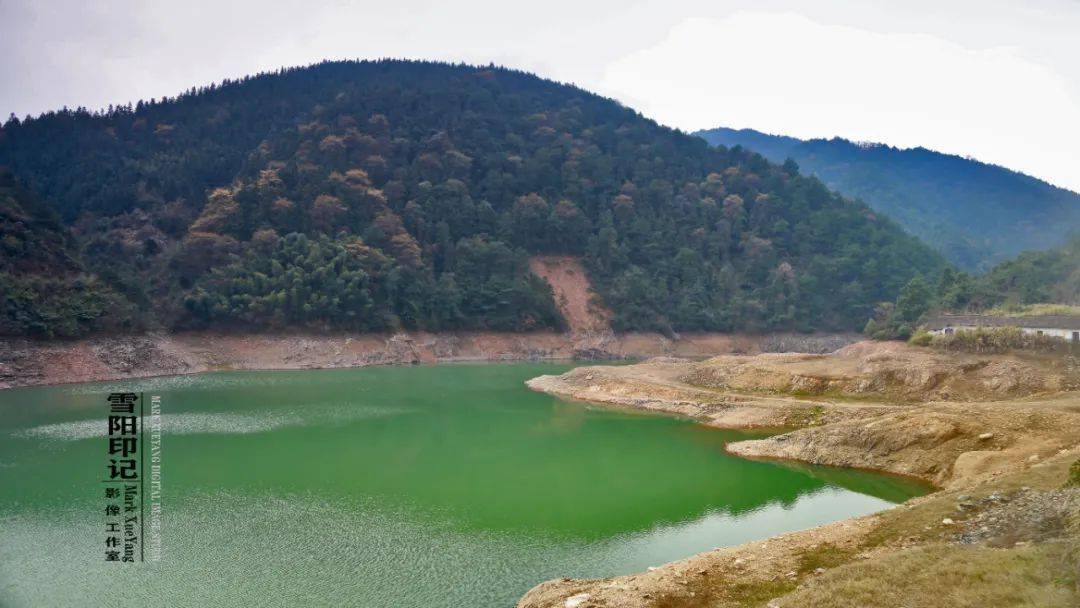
[{"x": 975, "y": 214}]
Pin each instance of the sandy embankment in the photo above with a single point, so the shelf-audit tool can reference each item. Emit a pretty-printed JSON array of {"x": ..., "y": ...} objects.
[{"x": 996, "y": 434}]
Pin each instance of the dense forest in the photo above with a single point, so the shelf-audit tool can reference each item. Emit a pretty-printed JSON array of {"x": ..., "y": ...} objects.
[
  {"x": 977, "y": 215},
  {"x": 1032, "y": 278},
  {"x": 44, "y": 289},
  {"x": 389, "y": 194}
]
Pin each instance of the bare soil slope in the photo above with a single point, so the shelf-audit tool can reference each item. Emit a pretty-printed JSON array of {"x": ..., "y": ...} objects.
[
  {"x": 890, "y": 370},
  {"x": 573, "y": 292},
  {"x": 949, "y": 445}
]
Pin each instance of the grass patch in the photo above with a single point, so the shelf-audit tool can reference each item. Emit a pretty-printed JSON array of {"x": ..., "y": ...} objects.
[
  {"x": 941, "y": 575},
  {"x": 804, "y": 417},
  {"x": 823, "y": 556},
  {"x": 1073, "y": 480},
  {"x": 921, "y": 338},
  {"x": 726, "y": 593},
  {"x": 921, "y": 524},
  {"x": 755, "y": 594}
]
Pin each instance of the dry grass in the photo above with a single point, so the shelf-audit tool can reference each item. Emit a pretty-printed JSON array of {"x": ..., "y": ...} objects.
[
  {"x": 922, "y": 524},
  {"x": 732, "y": 594},
  {"x": 1032, "y": 310},
  {"x": 956, "y": 576},
  {"x": 935, "y": 574}
]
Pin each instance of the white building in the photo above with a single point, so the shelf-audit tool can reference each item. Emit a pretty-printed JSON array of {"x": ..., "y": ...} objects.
[{"x": 1065, "y": 327}]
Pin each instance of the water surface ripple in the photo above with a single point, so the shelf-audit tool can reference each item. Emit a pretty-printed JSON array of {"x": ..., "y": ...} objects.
[{"x": 387, "y": 487}]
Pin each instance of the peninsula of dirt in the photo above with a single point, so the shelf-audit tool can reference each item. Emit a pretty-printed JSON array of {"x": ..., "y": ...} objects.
[{"x": 996, "y": 434}]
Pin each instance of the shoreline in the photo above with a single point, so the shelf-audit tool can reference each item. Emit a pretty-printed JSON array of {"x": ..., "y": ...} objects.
[
  {"x": 295, "y": 369},
  {"x": 768, "y": 432},
  {"x": 932, "y": 488},
  {"x": 943, "y": 445},
  {"x": 26, "y": 362}
]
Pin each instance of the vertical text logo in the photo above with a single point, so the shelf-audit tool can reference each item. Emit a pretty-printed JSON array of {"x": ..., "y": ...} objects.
[{"x": 124, "y": 480}]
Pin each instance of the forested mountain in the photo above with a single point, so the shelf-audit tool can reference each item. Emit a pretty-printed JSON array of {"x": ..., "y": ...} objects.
[
  {"x": 388, "y": 194},
  {"x": 1034, "y": 277},
  {"x": 976, "y": 214},
  {"x": 1033, "y": 281}
]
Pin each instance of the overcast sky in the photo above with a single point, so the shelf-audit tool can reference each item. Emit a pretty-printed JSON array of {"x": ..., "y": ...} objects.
[{"x": 995, "y": 80}]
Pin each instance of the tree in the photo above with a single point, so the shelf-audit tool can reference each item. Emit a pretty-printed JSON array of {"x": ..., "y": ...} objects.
[
  {"x": 529, "y": 221},
  {"x": 914, "y": 301}
]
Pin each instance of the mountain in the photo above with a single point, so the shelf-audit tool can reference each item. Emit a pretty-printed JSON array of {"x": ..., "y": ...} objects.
[
  {"x": 379, "y": 195},
  {"x": 976, "y": 214}
]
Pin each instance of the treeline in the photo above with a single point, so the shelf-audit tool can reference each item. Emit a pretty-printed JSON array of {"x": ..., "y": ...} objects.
[
  {"x": 1034, "y": 277},
  {"x": 385, "y": 195}
]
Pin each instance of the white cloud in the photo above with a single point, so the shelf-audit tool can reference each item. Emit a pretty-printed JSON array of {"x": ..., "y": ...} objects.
[{"x": 785, "y": 73}]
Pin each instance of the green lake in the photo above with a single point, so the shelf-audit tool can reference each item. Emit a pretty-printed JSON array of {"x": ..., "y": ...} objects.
[{"x": 426, "y": 486}]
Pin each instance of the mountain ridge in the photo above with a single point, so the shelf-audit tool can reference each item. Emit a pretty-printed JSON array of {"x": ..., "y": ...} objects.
[
  {"x": 977, "y": 214},
  {"x": 384, "y": 195}
]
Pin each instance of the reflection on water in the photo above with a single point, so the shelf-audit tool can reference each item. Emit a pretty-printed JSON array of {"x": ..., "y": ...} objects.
[{"x": 425, "y": 486}]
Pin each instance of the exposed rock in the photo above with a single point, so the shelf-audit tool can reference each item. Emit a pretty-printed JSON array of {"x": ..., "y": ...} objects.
[
  {"x": 1022, "y": 516},
  {"x": 937, "y": 443}
]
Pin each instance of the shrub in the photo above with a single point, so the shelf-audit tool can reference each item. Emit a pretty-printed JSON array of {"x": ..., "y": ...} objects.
[
  {"x": 921, "y": 338},
  {"x": 1074, "y": 475},
  {"x": 62, "y": 307},
  {"x": 994, "y": 340}
]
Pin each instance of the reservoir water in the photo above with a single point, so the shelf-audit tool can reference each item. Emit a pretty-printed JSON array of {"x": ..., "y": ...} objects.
[{"x": 429, "y": 486}]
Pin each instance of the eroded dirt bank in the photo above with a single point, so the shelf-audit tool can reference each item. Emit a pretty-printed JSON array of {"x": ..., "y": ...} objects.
[
  {"x": 996, "y": 434},
  {"x": 28, "y": 362}
]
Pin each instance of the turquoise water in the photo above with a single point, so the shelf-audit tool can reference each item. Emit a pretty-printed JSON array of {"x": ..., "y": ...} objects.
[{"x": 423, "y": 486}]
